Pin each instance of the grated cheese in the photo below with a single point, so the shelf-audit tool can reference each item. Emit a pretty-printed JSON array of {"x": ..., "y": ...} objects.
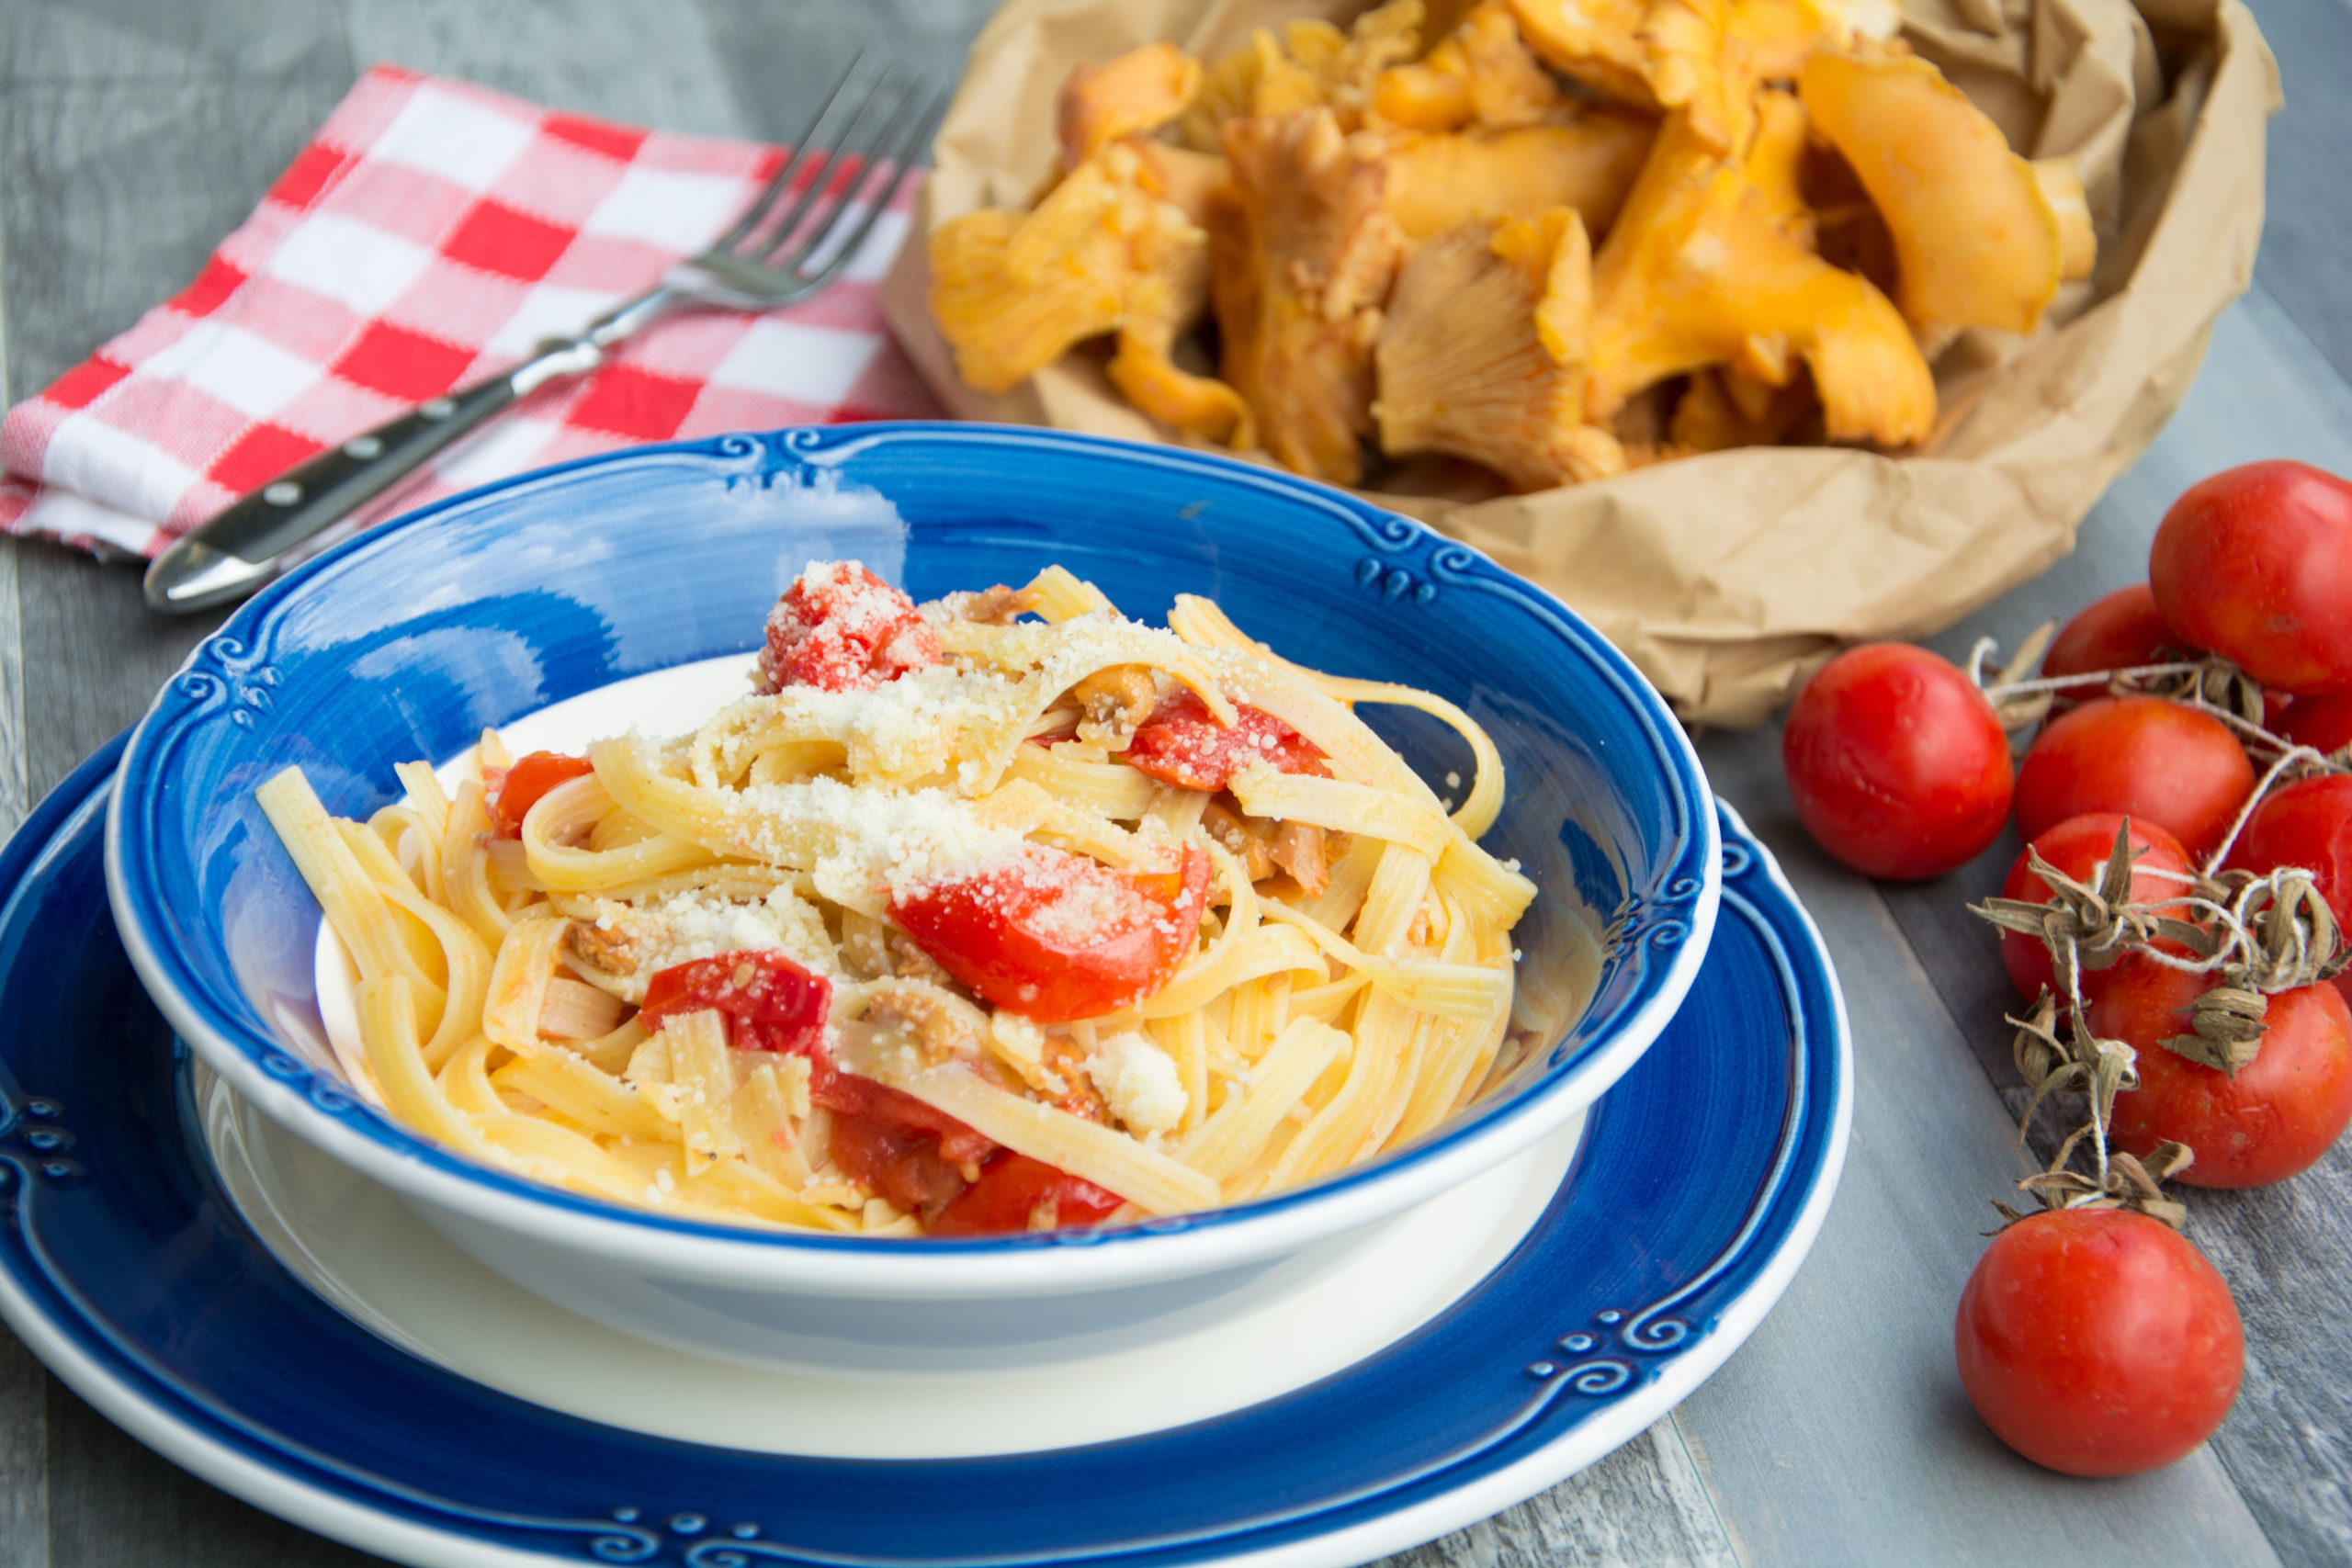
[{"x": 1139, "y": 1082}]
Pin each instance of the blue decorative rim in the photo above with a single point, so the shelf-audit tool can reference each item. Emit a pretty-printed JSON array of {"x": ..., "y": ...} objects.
[
  {"x": 234, "y": 674},
  {"x": 1703, "y": 1179}
]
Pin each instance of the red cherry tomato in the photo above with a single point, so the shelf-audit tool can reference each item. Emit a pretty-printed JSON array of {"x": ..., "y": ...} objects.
[
  {"x": 841, "y": 628},
  {"x": 2098, "y": 1342},
  {"x": 2155, "y": 762},
  {"x": 2273, "y": 1118},
  {"x": 1057, "y": 936},
  {"x": 770, "y": 1002},
  {"x": 520, "y": 788},
  {"x": 898, "y": 1147},
  {"x": 1179, "y": 744},
  {"x": 2309, "y": 824},
  {"x": 2079, "y": 847},
  {"x": 2323, "y": 723},
  {"x": 2256, "y": 563},
  {"x": 1897, "y": 764},
  {"x": 1016, "y": 1193},
  {"x": 2118, "y": 632}
]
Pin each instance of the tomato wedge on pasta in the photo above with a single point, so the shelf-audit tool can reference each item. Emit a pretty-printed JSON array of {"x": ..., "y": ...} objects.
[{"x": 1056, "y": 936}]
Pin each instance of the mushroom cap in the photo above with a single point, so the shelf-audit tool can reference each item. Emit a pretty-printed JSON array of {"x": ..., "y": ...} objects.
[
  {"x": 1700, "y": 270},
  {"x": 1482, "y": 350},
  {"x": 1482, "y": 72},
  {"x": 1012, "y": 291},
  {"x": 1303, "y": 254},
  {"x": 1598, "y": 43},
  {"x": 1438, "y": 182},
  {"x": 1103, "y": 250},
  {"x": 1141, "y": 90},
  {"x": 1311, "y": 64},
  {"x": 1976, "y": 241}
]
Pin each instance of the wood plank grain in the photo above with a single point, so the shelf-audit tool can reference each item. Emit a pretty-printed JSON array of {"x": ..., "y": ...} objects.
[
  {"x": 24, "y": 1456},
  {"x": 1840, "y": 1433},
  {"x": 1643, "y": 1507},
  {"x": 2307, "y": 229},
  {"x": 118, "y": 185},
  {"x": 779, "y": 56},
  {"x": 2267, "y": 391},
  {"x": 15, "y": 776},
  {"x": 113, "y": 1504},
  {"x": 608, "y": 58}
]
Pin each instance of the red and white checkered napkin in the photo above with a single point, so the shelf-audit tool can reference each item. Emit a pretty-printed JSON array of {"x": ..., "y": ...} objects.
[{"x": 433, "y": 232}]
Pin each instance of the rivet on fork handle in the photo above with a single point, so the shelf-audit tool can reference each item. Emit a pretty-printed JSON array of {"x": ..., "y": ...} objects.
[{"x": 240, "y": 549}]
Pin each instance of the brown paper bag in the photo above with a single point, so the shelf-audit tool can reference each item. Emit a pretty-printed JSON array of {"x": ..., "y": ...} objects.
[{"x": 1729, "y": 576}]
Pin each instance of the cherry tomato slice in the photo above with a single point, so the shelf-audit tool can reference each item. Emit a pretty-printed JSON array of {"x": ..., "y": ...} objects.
[
  {"x": 2256, "y": 563},
  {"x": 902, "y": 1115},
  {"x": 2079, "y": 847},
  {"x": 1057, "y": 936},
  {"x": 2271, "y": 1119},
  {"x": 1897, "y": 763},
  {"x": 1016, "y": 1193},
  {"x": 898, "y": 1147},
  {"x": 2309, "y": 824},
  {"x": 2098, "y": 1342},
  {"x": 531, "y": 776},
  {"x": 1179, "y": 744},
  {"x": 2121, "y": 631},
  {"x": 841, "y": 628},
  {"x": 907, "y": 1169},
  {"x": 2155, "y": 762},
  {"x": 770, "y": 1002}
]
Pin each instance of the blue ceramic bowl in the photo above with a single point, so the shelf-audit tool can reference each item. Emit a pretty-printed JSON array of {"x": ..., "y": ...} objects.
[{"x": 406, "y": 641}]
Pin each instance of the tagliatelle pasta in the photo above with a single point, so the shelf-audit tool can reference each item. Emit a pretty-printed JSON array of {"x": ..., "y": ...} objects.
[{"x": 996, "y": 913}]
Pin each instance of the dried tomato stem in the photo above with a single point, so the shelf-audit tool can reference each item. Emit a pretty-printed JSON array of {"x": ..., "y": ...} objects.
[
  {"x": 2262, "y": 786},
  {"x": 2001, "y": 691}
]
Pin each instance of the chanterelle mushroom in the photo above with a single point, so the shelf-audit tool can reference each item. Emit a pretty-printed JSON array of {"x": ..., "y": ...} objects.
[
  {"x": 1711, "y": 56},
  {"x": 1436, "y": 182},
  {"x": 1598, "y": 43},
  {"x": 1012, "y": 291},
  {"x": 1141, "y": 90},
  {"x": 1303, "y": 254},
  {"x": 1700, "y": 270},
  {"x": 1112, "y": 247},
  {"x": 1482, "y": 72},
  {"x": 1167, "y": 292},
  {"x": 1312, "y": 65},
  {"x": 1976, "y": 241},
  {"x": 1483, "y": 351}
]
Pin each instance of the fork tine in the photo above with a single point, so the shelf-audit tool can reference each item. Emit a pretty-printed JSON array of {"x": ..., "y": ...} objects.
[
  {"x": 902, "y": 157},
  {"x": 858, "y": 144},
  {"x": 802, "y": 146}
]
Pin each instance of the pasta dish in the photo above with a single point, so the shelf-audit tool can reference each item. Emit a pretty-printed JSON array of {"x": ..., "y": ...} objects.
[{"x": 998, "y": 913}]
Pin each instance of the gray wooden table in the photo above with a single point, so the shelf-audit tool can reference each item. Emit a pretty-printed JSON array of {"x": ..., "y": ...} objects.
[{"x": 134, "y": 132}]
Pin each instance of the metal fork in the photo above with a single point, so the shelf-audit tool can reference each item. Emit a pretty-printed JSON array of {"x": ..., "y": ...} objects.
[{"x": 784, "y": 248}]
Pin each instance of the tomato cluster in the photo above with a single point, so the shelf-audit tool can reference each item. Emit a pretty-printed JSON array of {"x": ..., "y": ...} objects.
[{"x": 2098, "y": 1341}]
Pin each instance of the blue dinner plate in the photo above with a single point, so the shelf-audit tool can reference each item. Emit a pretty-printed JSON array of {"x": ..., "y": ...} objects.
[{"x": 1703, "y": 1178}]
